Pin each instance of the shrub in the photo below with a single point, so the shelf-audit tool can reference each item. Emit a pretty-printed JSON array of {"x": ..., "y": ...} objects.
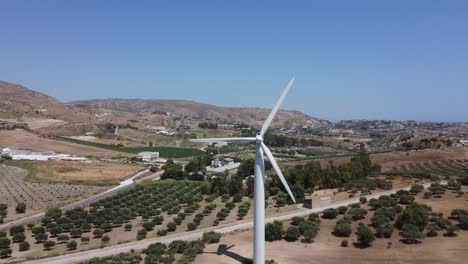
[
  {"x": 98, "y": 232},
  {"x": 410, "y": 233},
  {"x": 309, "y": 235},
  {"x": 5, "y": 252},
  {"x": 432, "y": 230},
  {"x": 19, "y": 237},
  {"x": 20, "y": 208},
  {"x": 292, "y": 234},
  {"x": 211, "y": 237},
  {"x": 297, "y": 220},
  {"x": 72, "y": 245},
  {"x": 24, "y": 246},
  {"x": 357, "y": 213},
  {"x": 162, "y": 232},
  {"x": 4, "y": 242},
  {"x": 191, "y": 226},
  {"x": 48, "y": 244},
  {"x": 63, "y": 238},
  {"x": 413, "y": 214},
  {"x": 451, "y": 229},
  {"x": 329, "y": 213},
  {"x": 141, "y": 234},
  {"x": 344, "y": 243},
  {"x": 274, "y": 231},
  {"x": 85, "y": 239},
  {"x": 385, "y": 230},
  {"x": 364, "y": 235},
  {"x": 128, "y": 227},
  {"x": 105, "y": 240},
  {"x": 342, "y": 210},
  {"x": 363, "y": 200},
  {"x": 342, "y": 229}
]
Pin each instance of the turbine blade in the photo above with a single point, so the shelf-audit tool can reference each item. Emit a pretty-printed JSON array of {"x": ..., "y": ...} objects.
[
  {"x": 278, "y": 171},
  {"x": 276, "y": 107},
  {"x": 240, "y": 140}
]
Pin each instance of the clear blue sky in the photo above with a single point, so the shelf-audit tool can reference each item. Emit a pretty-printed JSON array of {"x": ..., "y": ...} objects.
[{"x": 352, "y": 59}]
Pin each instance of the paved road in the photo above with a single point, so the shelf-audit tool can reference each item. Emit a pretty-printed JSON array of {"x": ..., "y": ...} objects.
[
  {"x": 123, "y": 185},
  {"x": 241, "y": 225}
]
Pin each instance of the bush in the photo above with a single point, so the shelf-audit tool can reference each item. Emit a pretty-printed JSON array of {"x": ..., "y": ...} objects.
[
  {"x": 211, "y": 237},
  {"x": 363, "y": 200},
  {"x": 344, "y": 243},
  {"x": 98, "y": 232},
  {"x": 5, "y": 252},
  {"x": 309, "y": 235},
  {"x": 191, "y": 226},
  {"x": 20, "y": 208},
  {"x": 410, "y": 233},
  {"x": 19, "y": 237},
  {"x": 329, "y": 213},
  {"x": 364, "y": 235},
  {"x": 63, "y": 238},
  {"x": 385, "y": 230},
  {"x": 105, "y": 240},
  {"x": 48, "y": 244},
  {"x": 342, "y": 210},
  {"x": 274, "y": 231},
  {"x": 357, "y": 213},
  {"x": 85, "y": 239},
  {"x": 128, "y": 227},
  {"x": 292, "y": 234},
  {"x": 141, "y": 234},
  {"x": 413, "y": 214},
  {"x": 72, "y": 245},
  {"x": 297, "y": 220},
  {"x": 24, "y": 246},
  {"x": 342, "y": 229},
  {"x": 162, "y": 232},
  {"x": 432, "y": 230}
]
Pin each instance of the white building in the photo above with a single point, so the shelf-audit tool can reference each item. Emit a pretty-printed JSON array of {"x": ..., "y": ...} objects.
[
  {"x": 216, "y": 163},
  {"x": 148, "y": 156}
]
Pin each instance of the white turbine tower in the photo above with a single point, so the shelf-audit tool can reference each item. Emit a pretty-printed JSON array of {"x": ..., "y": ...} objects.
[{"x": 259, "y": 174}]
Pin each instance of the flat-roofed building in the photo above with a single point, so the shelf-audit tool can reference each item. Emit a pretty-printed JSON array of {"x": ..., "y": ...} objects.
[{"x": 148, "y": 156}]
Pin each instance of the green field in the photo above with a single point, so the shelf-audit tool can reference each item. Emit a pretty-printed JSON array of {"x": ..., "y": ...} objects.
[{"x": 164, "y": 152}]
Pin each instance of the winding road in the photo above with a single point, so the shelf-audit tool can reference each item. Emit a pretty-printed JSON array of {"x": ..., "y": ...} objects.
[{"x": 79, "y": 257}]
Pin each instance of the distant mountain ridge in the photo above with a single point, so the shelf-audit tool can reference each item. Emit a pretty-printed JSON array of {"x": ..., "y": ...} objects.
[
  {"x": 19, "y": 101},
  {"x": 202, "y": 111}
]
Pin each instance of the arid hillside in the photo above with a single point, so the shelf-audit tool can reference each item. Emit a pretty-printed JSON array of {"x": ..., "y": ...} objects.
[
  {"x": 19, "y": 101},
  {"x": 199, "y": 112}
]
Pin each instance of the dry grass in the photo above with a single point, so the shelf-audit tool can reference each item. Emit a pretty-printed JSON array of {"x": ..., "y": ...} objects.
[{"x": 77, "y": 172}]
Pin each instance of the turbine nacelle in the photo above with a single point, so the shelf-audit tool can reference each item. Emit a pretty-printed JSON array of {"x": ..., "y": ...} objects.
[{"x": 258, "y": 138}]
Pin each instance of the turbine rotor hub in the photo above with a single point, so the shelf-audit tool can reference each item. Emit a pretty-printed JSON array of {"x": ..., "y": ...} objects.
[{"x": 258, "y": 138}]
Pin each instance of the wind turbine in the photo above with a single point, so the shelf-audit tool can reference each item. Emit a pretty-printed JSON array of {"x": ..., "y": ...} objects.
[{"x": 259, "y": 173}]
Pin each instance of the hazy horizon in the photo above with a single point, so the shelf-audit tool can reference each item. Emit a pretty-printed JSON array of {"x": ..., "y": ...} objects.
[{"x": 369, "y": 60}]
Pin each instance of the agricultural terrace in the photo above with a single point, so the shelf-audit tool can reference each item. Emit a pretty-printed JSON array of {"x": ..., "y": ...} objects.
[
  {"x": 14, "y": 189},
  {"x": 164, "y": 152},
  {"x": 76, "y": 172}
]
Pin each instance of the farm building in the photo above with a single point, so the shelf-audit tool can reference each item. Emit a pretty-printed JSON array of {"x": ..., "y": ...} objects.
[
  {"x": 148, "y": 156},
  {"x": 216, "y": 163}
]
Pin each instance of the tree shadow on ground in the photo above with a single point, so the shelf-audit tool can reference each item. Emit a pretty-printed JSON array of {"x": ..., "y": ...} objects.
[{"x": 223, "y": 249}]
